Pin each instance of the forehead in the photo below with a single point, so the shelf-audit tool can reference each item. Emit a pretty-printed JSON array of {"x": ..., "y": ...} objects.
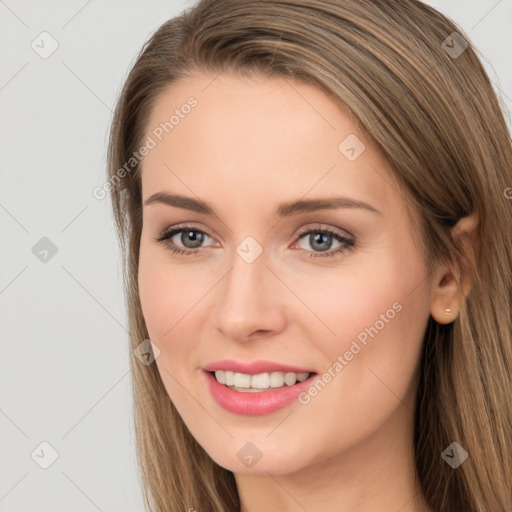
[{"x": 270, "y": 139}]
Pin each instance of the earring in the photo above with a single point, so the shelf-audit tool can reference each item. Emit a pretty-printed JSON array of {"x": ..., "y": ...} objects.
[{"x": 448, "y": 311}]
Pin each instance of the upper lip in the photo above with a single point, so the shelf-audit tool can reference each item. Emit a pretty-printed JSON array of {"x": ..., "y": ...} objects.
[{"x": 253, "y": 367}]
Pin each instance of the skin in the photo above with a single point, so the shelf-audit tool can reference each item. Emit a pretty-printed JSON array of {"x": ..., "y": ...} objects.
[{"x": 249, "y": 145}]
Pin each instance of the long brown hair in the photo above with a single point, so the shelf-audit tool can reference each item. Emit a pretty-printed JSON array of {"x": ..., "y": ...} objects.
[{"x": 425, "y": 100}]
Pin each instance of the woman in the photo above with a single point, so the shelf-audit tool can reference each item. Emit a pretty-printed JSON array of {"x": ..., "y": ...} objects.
[{"x": 313, "y": 199}]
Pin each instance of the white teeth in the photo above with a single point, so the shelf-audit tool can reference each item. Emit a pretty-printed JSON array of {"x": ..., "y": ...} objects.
[
  {"x": 241, "y": 380},
  {"x": 277, "y": 379},
  {"x": 229, "y": 378},
  {"x": 290, "y": 379},
  {"x": 251, "y": 383},
  {"x": 260, "y": 381}
]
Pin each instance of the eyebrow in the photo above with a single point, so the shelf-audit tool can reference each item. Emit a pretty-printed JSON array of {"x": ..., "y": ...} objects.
[{"x": 283, "y": 210}]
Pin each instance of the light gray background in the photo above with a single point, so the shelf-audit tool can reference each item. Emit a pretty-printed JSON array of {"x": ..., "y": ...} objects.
[{"x": 64, "y": 360}]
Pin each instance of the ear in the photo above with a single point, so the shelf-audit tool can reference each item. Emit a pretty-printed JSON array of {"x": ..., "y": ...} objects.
[{"x": 452, "y": 283}]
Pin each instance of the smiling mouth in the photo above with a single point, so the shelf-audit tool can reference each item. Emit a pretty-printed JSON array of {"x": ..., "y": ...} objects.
[{"x": 267, "y": 381}]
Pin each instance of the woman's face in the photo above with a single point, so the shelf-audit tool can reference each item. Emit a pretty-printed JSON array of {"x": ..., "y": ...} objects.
[{"x": 273, "y": 282}]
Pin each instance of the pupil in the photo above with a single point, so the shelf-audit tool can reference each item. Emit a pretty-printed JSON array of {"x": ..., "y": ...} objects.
[
  {"x": 319, "y": 238},
  {"x": 192, "y": 236}
]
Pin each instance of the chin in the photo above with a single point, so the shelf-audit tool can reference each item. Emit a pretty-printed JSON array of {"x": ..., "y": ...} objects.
[{"x": 245, "y": 457}]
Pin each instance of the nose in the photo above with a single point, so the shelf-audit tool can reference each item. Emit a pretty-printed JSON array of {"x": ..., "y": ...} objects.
[{"x": 250, "y": 301}]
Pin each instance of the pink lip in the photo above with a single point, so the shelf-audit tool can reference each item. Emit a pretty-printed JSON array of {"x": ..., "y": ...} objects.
[
  {"x": 258, "y": 403},
  {"x": 253, "y": 368}
]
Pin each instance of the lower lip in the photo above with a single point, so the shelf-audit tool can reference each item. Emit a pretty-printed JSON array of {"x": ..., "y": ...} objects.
[{"x": 255, "y": 403}]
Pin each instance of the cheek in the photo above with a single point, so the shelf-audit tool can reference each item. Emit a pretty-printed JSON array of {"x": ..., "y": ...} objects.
[
  {"x": 158, "y": 305},
  {"x": 379, "y": 321},
  {"x": 174, "y": 305},
  {"x": 377, "y": 314},
  {"x": 166, "y": 293},
  {"x": 350, "y": 300},
  {"x": 165, "y": 300}
]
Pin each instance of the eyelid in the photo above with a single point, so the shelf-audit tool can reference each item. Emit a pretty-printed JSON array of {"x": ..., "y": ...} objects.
[
  {"x": 185, "y": 226},
  {"x": 324, "y": 227},
  {"x": 301, "y": 231}
]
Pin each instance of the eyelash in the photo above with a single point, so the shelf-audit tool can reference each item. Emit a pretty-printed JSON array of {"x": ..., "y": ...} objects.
[{"x": 167, "y": 234}]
